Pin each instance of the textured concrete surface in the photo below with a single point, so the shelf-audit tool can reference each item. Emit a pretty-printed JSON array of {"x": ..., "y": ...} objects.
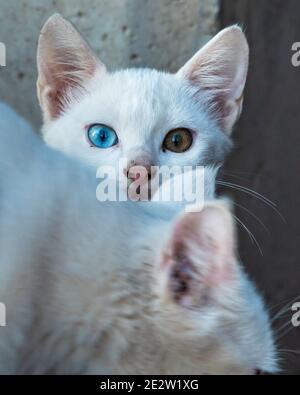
[{"x": 154, "y": 33}]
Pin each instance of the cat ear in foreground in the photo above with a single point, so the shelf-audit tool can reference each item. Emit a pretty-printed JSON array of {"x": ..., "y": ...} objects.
[
  {"x": 220, "y": 69},
  {"x": 200, "y": 255},
  {"x": 65, "y": 62}
]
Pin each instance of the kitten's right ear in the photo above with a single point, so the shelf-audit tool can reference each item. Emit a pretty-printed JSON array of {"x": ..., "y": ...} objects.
[{"x": 65, "y": 62}]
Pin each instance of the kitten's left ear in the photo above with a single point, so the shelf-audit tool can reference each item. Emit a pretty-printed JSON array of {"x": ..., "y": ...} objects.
[
  {"x": 65, "y": 62},
  {"x": 220, "y": 69}
]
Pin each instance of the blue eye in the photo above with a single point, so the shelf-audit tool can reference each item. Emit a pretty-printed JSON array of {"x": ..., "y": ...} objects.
[{"x": 102, "y": 136}]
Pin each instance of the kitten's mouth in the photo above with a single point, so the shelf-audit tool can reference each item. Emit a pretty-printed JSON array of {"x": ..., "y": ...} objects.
[
  {"x": 140, "y": 191},
  {"x": 138, "y": 185}
]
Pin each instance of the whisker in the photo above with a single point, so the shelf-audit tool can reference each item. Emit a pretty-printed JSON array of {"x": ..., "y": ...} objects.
[
  {"x": 250, "y": 234},
  {"x": 248, "y": 173},
  {"x": 284, "y": 333},
  {"x": 295, "y": 352},
  {"x": 284, "y": 309},
  {"x": 285, "y": 301},
  {"x": 238, "y": 177},
  {"x": 245, "y": 189},
  {"x": 255, "y": 194},
  {"x": 254, "y": 216},
  {"x": 283, "y": 327}
]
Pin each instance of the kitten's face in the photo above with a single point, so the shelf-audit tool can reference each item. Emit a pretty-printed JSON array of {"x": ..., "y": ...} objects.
[
  {"x": 142, "y": 107},
  {"x": 148, "y": 117},
  {"x": 209, "y": 313}
]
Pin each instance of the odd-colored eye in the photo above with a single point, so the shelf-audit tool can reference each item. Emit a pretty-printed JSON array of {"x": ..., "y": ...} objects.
[
  {"x": 178, "y": 140},
  {"x": 102, "y": 136}
]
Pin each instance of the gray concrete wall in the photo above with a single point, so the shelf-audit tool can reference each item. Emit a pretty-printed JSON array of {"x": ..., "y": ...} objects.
[{"x": 154, "y": 33}]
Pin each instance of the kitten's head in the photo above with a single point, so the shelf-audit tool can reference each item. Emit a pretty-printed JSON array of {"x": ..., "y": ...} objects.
[
  {"x": 205, "y": 307},
  {"x": 146, "y": 116}
]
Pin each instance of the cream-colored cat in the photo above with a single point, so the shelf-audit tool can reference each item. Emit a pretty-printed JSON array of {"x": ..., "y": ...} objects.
[{"x": 95, "y": 287}]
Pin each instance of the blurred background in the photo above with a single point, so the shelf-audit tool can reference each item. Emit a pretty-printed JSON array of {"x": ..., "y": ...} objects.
[{"x": 266, "y": 159}]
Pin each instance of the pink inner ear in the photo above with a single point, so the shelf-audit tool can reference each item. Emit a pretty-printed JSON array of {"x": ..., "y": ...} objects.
[
  {"x": 200, "y": 254},
  {"x": 55, "y": 97},
  {"x": 219, "y": 72},
  {"x": 61, "y": 83},
  {"x": 203, "y": 230},
  {"x": 182, "y": 277},
  {"x": 191, "y": 283},
  {"x": 185, "y": 229},
  {"x": 65, "y": 61}
]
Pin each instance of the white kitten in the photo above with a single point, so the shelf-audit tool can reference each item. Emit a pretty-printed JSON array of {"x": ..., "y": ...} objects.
[
  {"x": 146, "y": 116},
  {"x": 105, "y": 288}
]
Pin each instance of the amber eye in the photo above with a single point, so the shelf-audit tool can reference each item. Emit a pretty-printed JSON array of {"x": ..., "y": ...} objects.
[{"x": 178, "y": 140}]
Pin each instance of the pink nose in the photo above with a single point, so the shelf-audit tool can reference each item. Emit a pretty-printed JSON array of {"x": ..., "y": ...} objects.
[{"x": 138, "y": 169}]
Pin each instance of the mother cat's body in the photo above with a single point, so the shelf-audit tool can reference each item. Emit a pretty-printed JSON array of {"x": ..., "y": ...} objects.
[{"x": 104, "y": 288}]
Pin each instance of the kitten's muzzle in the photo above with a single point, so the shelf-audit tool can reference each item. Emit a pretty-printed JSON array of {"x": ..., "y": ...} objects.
[{"x": 139, "y": 171}]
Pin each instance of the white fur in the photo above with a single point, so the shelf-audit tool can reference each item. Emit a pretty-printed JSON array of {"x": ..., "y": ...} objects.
[
  {"x": 142, "y": 106},
  {"x": 75, "y": 91},
  {"x": 82, "y": 280}
]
